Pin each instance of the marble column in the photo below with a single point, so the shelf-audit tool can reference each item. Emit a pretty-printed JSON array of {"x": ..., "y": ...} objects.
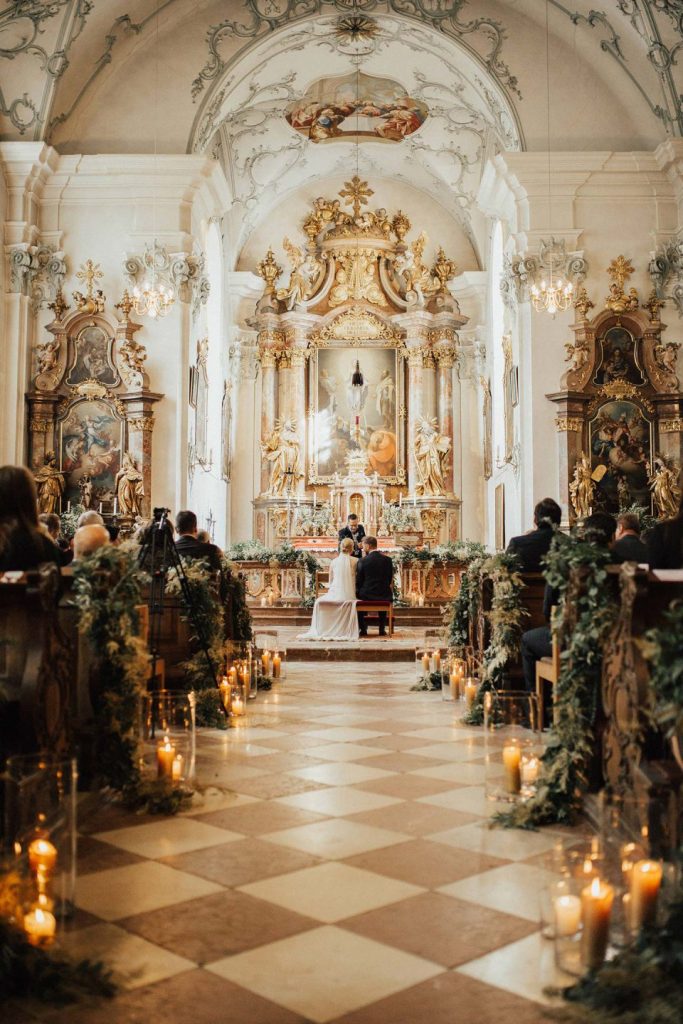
[
  {"x": 269, "y": 405},
  {"x": 445, "y": 358},
  {"x": 415, "y": 409}
]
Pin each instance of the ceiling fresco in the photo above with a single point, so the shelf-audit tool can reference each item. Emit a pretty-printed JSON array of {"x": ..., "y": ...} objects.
[{"x": 356, "y": 107}]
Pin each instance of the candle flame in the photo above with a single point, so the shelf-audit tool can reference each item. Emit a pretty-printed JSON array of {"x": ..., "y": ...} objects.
[
  {"x": 39, "y": 915},
  {"x": 595, "y": 887}
]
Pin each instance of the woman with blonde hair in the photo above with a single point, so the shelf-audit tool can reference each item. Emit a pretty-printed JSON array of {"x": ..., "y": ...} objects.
[{"x": 334, "y": 614}]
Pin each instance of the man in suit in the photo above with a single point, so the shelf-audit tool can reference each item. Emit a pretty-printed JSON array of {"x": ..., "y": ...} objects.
[
  {"x": 189, "y": 546},
  {"x": 374, "y": 582},
  {"x": 355, "y": 531},
  {"x": 531, "y": 547},
  {"x": 628, "y": 547}
]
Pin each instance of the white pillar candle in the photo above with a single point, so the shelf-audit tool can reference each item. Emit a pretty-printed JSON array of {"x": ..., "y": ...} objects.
[
  {"x": 596, "y": 911},
  {"x": 277, "y": 665},
  {"x": 177, "y": 768},
  {"x": 512, "y": 757},
  {"x": 529, "y": 770},
  {"x": 470, "y": 692},
  {"x": 165, "y": 755},
  {"x": 40, "y": 926},
  {"x": 567, "y": 911}
]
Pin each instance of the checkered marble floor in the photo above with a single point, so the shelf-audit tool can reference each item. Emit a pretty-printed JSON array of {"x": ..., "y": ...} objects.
[{"x": 338, "y": 868}]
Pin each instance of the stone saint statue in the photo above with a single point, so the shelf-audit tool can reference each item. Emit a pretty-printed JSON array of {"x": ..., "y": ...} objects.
[
  {"x": 281, "y": 450},
  {"x": 665, "y": 490},
  {"x": 50, "y": 483},
  {"x": 431, "y": 454},
  {"x": 85, "y": 487},
  {"x": 582, "y": 487},
  {"x": 129, "y": 486}
]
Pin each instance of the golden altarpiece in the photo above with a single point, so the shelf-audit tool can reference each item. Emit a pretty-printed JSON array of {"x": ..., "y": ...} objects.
[
  {"x": 90, "y": 410},
  {"x": 619, "y": 416},
  {"x": 357, "y": 356}
]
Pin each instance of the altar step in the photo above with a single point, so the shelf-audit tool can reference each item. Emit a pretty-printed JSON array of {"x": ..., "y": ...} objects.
[{"x": 404, "y": 618}]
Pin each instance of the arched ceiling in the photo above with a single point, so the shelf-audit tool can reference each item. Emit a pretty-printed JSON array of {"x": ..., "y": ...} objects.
[{"x": 56, "y": 54}]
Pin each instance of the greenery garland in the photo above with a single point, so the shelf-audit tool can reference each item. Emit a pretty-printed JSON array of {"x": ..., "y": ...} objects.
[
  {"x": 465, "y": 607},
  {"x": 505, "y": 619},
  {"x": 286, "y": 555},
  {"x": 641, "y": 985},
  {"x": 107, "y": 592},
  {"x": 577, "y": 569},
  {"x": 663, "y": 647}
]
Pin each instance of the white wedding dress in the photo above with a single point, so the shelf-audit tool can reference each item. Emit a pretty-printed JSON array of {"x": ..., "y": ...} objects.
[{"x": 334, "y": 614}]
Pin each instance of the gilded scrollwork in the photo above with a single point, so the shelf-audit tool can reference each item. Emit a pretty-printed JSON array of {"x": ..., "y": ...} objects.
[{"x": 569, "y": 424}]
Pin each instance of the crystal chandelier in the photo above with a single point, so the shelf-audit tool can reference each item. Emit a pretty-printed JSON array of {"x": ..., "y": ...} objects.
[
  {"x": 553, "y": 296},
  {"x": 152, "y": 297}
]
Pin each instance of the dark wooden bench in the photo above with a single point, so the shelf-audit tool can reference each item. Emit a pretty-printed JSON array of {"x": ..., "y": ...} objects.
[{"x": 375, "y": 607}]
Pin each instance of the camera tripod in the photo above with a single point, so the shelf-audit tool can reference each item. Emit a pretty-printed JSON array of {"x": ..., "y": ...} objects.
[{"x": 158, "y": 552}]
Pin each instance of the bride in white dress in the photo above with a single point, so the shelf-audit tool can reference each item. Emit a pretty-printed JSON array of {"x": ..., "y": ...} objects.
[{"x": 334, "y": 614}]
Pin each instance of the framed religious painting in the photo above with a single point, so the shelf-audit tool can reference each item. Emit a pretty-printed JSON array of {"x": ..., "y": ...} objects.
[
  {"x": 91, "y": 439},
  {"x": 92, "y": 358},
  {"x": 617, "y": 358},
  {"x": 621, "y": 441},
  {"x": 334, "y": 405}
]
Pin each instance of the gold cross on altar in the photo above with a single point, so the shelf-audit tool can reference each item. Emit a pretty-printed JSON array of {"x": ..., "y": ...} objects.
[
  {"x": 620, "y": 270},
  {"x": 89, "y": 273},
  {"x": 356, "y": 192}
]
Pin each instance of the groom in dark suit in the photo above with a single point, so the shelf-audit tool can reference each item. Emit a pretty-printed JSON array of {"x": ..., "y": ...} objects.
[{"x": 374, "y": 582}]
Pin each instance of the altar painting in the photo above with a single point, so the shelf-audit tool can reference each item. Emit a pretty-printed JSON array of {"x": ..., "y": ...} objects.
[
  {"x": 90, "y": 447},
  {"x": 333, "y": 420},
  {"x": 621, "y": 447},
  {"x": 92, "y": 358},
  {"x": 618, "y": 360}
]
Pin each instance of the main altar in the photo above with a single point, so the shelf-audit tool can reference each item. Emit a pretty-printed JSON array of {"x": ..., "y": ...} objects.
[{"x": 357, "y": 354}]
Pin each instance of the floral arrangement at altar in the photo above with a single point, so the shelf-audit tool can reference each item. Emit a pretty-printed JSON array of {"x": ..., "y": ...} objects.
[
  {"x": 315, "y": 522},
  {"x": 399, "y": 517}
]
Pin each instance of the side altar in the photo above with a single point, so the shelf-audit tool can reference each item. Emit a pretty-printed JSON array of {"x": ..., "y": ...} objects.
[{"x": 357, "y": 357}]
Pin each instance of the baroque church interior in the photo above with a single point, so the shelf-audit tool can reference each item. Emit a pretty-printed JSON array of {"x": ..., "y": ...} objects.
[{"x": 341, "y": 511}]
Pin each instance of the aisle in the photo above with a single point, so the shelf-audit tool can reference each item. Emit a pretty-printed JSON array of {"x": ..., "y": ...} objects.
[{"x": 349, "y": 876}]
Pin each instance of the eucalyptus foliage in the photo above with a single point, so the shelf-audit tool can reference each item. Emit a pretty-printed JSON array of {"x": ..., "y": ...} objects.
[
  {"x": 204, "y": 613},
  {"x": 577, "y": 569},
  {"x": 663, "y": 647},
  {"x": 107, "y": 591}
]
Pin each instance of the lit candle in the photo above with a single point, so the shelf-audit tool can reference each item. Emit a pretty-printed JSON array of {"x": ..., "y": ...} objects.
[
  {"x": 237, "y": 706},
  {"x": 263, "y": 602},
  {"x": 224, "y": 688},
  {"x": 270, "y": 598},
  {"x": 116, "y": 505},
  {"x": 42, "y": 855},
  {"x": 529, "y": 770},
  {"x": 421, "y": 601},
  {"x": 165, "y": 755},
  {"x": 277, "y": 665},
  {"x": 100, "y": 508},
  {"x": 646, "y": 879},
  {"x": 455, "y": 685},
  {"x": 68, "y": 506},
  {"x": 265, "y": 663},
  {"x": 470, "y": 692},
  {"x": 512, "y": 758},
  {"x": 425, "y": 663},
  {"x": 40, "y": 926},
  {"x": 567, "y": 911},
  {"x": 436, "y": 661},
  {"x": 596, "y": 910},
  {"x": 177, "y": 768}
]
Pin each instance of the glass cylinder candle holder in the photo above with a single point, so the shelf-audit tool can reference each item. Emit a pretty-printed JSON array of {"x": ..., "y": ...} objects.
[
  {"x": 168, "y": 738},
  {"x": 453, "y": 677},
  {"x": 422, "y": 663},
  {"x": 567, "y": 929},
  {"x": 40, "y": 835},
  {"x": 512, "y": 745},
  {"x": 265, "y": 646}
]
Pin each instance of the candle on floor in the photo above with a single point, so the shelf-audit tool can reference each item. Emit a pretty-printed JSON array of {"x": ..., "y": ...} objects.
[
  {"x": 529, "y": 770},
  {"x": 265, "y": 663},
  {"x": 165, "y": 755},
  {"x": 40, "y": 926},
  {"x": 232, "y": 675},
  {"x": 567, "y": 910},
  {"x": 224, "y": 689},
  {"x": 470, "y": 692},
  {"x": 177, "y": 768},
  {"x": 425, "y": 663},
  {"x": 237, "y": 705},
  {"x": 455, "y": 685},
  {"x": 596, "y": 911},
  {"x": 512, "y": 757},
  {"x": 646, "y": 879},
  {"x": 436, "y": 661},
  {"x": 277, "y": 665},
  {"x": 42, "y": 855}
]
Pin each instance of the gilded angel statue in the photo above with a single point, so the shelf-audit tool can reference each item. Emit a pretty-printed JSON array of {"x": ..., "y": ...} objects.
[
  {"x": 47, "y": 355},
  {"x": 415, "y": 277},
  {"x": 306, "y": 270},
  {"x": 582, "y": 487},
  {"x": 281, "y": 450},
  {"x": 431, "y": 454},
  {"x": 664, "y": 484}
]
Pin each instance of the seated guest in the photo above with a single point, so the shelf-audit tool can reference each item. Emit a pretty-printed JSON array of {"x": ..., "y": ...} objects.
[
  {"x": 665, "y": 543},
  {"x": 628, "y": 547},
  {"x": 113, "y": 532},
  {"x": 598, "y": 529},
  {"x": 374, "y": 582},
  {"x": 188, "y": 544},
  {"x": 89, "y": 518},
  {"x": 53, "y": 527},
  {"x": 531, "y": 547},
  {"x": 356, "y": 531},
  {"x": 88, "y": 539},
  {"x": 23, "y": 545}
]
